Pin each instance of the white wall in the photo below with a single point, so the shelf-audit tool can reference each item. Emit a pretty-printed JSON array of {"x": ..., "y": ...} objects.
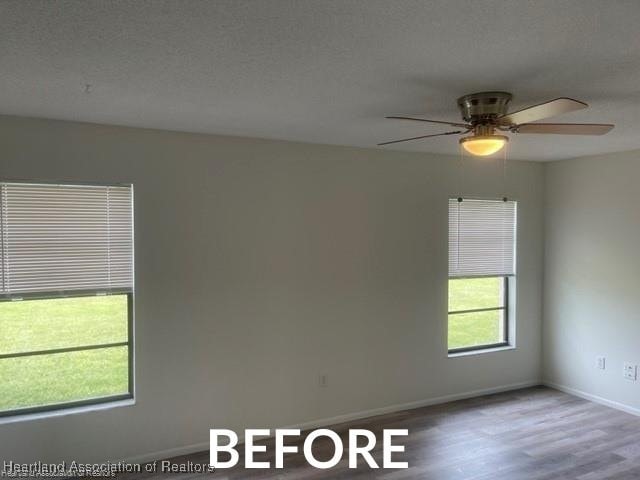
[
  {"x": 592, "y": 274},
  {"x": 259, "y": 265}
]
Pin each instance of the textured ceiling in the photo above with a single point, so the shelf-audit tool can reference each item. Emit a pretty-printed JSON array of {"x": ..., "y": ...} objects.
[{"x": 322, "y": 71}]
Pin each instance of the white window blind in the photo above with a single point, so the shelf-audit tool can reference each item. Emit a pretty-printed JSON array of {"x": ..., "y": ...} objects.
[
  {"x": 61, "y": 238},
  {"x": 482, "y": 236}
]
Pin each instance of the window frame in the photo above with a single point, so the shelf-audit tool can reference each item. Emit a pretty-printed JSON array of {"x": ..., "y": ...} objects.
[
  {"x": 57, "y": 408},
  {"x": 506, "y": 318},
  {"x": 129, "y": 343}
]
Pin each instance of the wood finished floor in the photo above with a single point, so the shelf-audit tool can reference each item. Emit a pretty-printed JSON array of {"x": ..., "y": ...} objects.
[{"x": 536, "y": 433}]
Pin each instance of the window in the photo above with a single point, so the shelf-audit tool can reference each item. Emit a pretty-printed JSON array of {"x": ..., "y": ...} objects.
[
  {"x": 66, "y": 295},
  {"x": 482, "y": 236}
]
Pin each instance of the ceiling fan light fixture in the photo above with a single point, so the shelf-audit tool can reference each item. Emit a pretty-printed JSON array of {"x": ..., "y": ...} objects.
[
  {"x": 484, "y": 145},
  {"x": 485, "y": 113}
]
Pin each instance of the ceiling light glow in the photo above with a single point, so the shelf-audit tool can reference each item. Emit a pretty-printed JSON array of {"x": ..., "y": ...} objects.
[{"x": 484, "y": 145}]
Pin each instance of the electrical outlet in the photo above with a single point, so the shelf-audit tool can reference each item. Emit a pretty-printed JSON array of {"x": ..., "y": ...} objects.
[
  {"x": 630, "y": 371},
  {"x": 323, "y": 380},
  {"x": 601, "y": 363}
]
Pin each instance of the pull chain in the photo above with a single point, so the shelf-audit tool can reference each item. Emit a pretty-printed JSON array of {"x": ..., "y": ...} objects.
[
  {"x": 461, "y": 179},
  {"x": 504, "y": 172}
]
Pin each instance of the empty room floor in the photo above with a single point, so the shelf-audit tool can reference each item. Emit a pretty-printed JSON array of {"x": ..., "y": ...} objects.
[{"x": 535, "y": 433}]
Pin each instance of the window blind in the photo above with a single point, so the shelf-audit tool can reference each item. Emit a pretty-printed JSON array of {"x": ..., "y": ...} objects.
[
  {"x": 61, "y": 238},
  {"x": 482, "y": 236}
]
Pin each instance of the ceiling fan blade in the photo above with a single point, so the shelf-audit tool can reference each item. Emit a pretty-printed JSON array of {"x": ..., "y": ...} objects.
[
  {"x": 564, "y": 128},
  {"x": 423, "y": 136},
  {"x": 453, "y": 124},
  {"x": 542, "y": 110}
]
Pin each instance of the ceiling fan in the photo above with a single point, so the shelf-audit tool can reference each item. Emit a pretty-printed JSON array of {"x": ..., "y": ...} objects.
[{"x": 484, "y": 113}]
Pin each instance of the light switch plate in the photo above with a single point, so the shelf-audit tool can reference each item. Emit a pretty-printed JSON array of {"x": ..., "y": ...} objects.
[
  {"x": 630, "y": 371},
  {"x": 601, "y": 363}
]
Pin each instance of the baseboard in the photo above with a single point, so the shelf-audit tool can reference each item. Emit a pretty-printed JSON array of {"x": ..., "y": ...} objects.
[
  {"x": 593, "y": 398},
  {"x": 169, "y": 453},
  {"x": 349, "y": 417},
  {"x": 411, "y": 405}
]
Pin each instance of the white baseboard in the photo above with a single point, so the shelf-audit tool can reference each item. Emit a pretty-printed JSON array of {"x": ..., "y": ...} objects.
[
  {"x": 199, "y": 447},
  {"x": 168, "y": 453},
  {"x": 411, "y": 405},
  {"x": 593, "y": 398},
  {"x": 324, "y": 422}
]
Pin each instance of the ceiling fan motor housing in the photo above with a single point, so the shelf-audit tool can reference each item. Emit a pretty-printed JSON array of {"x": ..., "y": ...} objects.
[{"x": 483, "y": 106}]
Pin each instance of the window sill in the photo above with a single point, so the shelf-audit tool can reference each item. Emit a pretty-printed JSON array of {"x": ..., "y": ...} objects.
[
  {"x": 62, "y": 412},
  {"x": 481, "y": 351}
]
